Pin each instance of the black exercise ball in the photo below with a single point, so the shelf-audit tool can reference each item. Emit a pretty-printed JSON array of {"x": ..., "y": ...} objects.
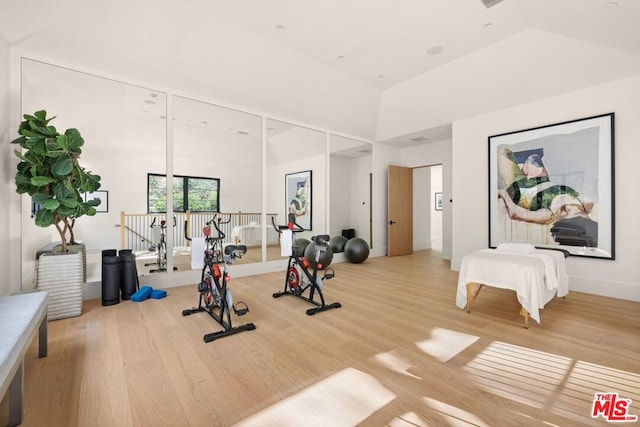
[
  {"x": 337, "y": 244},
  {"x": 300, "y": 245},
  {"x": 325, "y": 257},
  {"x": 356, "y": 250}
]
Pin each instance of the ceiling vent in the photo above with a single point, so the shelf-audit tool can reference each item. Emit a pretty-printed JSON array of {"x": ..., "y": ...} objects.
[{"x": 490, "y": 3}]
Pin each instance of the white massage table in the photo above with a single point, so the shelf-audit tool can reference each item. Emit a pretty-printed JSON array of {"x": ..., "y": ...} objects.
[
  {"x": 537, "y": 275},
  {"x": 251, "y": 235}
]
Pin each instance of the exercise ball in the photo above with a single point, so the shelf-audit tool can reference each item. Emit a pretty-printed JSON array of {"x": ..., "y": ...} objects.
[
  {"x": 300, "y": 245},
  {"x": 356, "y": 250},
  {"x": 325, "y": 257},
  {"x": 337, "y": 244}
]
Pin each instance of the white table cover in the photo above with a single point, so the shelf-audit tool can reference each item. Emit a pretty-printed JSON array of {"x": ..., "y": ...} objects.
[{"x": 536, "y": 277}]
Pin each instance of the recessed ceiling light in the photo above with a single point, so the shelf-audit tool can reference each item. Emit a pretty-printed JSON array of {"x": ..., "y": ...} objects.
[
  {"x": 280, "y": 27},
  {"x": 204, "y": 122},
  {"x": 380, "y": 77},
  {"x": 612, "y": 3},
  {"x": 340, "y": 58},
  {"x": 488, "y": 25},
  {"x": 435, "y": 50}
]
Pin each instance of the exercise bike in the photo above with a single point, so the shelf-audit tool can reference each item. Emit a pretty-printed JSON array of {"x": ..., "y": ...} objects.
[
  {"x": 300, "y": 277},
  {"x": 215, "y": 298},
  {"x": 161, "y": 247}
]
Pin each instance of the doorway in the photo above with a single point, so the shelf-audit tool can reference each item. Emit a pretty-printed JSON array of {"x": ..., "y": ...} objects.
[{"x": 428, "y": 207}]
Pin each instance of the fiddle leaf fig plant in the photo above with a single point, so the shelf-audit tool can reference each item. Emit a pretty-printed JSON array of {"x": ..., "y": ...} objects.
[{"x": 49, "y": 171}]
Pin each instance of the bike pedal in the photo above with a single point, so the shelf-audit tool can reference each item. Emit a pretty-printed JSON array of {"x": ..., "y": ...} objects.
[
  {"x": 241, "y": 311},
  {"x": 329, "y": 274}
]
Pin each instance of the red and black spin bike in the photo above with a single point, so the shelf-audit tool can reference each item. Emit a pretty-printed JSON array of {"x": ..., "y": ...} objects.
[
  {"x": 215, "y": 298},
  {"x": 304, "y": 275}
]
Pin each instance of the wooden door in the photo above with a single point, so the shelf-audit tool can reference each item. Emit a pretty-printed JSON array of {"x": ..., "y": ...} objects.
[{"x": 399, "y": 211}]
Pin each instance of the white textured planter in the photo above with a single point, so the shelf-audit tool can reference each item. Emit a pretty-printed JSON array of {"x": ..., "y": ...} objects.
[{"x": 61, "y": 276}]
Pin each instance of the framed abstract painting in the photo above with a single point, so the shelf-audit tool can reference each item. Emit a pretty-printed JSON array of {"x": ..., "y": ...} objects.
[
  {"x": 553, "y": 186},
  {"x": 298, "y": 198}
]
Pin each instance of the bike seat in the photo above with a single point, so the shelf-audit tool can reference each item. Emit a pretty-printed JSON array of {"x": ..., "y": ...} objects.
[
  {"x": 321, "y": 239},
  {"x": 235, "y": 250}
]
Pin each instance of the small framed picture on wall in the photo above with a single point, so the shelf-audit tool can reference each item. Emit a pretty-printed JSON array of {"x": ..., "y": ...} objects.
[{"x": 438, "y": 201}]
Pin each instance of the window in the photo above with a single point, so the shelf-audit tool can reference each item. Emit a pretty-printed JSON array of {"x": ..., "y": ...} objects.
[{"x": 189, "y": 194}]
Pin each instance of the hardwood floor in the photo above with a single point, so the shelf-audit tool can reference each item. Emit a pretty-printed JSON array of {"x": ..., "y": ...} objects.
[{"x": 398, "y": 353}]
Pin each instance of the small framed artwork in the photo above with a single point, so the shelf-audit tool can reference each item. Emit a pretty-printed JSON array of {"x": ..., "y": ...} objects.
[
  {"x": 553, "y": 186},
  {"x": 438, "y": 201},
  {"x": 101, "y": 195},
  {"x": 297, "y": 191}
]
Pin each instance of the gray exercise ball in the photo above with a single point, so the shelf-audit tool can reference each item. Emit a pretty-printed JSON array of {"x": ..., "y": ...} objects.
[
  {"x": 300, "y": 245},
  {"x": 356, "y": 250},
  {"x": 337, "y": 244},
  {"x": 325, "y": 257}
]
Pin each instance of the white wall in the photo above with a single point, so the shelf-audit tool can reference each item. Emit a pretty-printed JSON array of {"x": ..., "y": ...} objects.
[
  {"x": 349, "y": 195},
  {"x": 618, "y": 278},
  {"x": 360, "y": 203},
  {"x": 340, "y": 195},
  {"x": 383, "y": 156},
  {"x": 436, "y": 216},
  {"x": 422, "y": 209},
  {"x": 6, "y": 177}
]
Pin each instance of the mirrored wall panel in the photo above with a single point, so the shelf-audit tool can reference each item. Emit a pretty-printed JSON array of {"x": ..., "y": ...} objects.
[
  {"x": 350, "y": 195},
  {"x": 296, "y": 180},
  {"x": 124, "y": 128},
  {"x": 217, "y": 168}
]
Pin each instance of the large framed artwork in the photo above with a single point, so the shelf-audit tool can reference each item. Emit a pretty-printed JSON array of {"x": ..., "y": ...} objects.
[
  {"x": 553, "y": 186},
  {"x": 298, "y": 198}
]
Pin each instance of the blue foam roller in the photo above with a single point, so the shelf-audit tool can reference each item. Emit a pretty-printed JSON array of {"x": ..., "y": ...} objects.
[
  {"x": 158, "y": 293},
  {"x": 142, "y": 294}
]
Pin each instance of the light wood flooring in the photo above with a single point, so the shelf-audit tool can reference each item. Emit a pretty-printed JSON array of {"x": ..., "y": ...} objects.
[{"x": 398, "y": 353}]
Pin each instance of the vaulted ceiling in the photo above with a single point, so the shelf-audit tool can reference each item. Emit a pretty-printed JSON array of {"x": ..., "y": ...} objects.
[{"x": 350, "y": 66}]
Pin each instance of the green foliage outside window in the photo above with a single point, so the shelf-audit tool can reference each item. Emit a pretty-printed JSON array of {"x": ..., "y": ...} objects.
[{"x": 189, "y": 193}]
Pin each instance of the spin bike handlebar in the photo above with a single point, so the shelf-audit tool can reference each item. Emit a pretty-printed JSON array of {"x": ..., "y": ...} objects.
[
  {"x": 216, "y": 221},
  {"x": 163, "y": 223},
  {"x": 292, "y": 225}
]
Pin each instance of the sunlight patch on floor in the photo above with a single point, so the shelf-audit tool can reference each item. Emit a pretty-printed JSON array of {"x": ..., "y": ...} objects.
[
  {"x": 550, "y": 382},
  {"x": 455, "y": 416},
  {"x": 396, "y": 363},
  {"x": 410, "y": 419},
  {"x": 445, "y": 344},
  {"x": 343, "y": 399}
]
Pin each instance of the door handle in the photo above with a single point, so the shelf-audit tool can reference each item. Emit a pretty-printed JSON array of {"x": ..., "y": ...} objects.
[{"x": 392, "y": 222}]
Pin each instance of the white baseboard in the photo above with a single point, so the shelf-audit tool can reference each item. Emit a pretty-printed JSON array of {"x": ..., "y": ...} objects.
[{"x": 620, "y": 290}]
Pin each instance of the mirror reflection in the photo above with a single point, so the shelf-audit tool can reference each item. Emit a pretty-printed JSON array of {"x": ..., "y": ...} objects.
[
  {"x": 296, "y": 180},
  {"x": 350, "y": 195},
  {"x": 217, "y": 168},
  {"x": 124, "y": 128}
]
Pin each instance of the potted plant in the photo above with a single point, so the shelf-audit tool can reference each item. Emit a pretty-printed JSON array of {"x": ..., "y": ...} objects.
[{"x": 49, "y": 171}]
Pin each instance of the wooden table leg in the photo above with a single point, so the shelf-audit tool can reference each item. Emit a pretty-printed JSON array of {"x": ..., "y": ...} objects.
[
  {"x": 473, "y": 289},
  {"x": 525, "y": 314}
]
